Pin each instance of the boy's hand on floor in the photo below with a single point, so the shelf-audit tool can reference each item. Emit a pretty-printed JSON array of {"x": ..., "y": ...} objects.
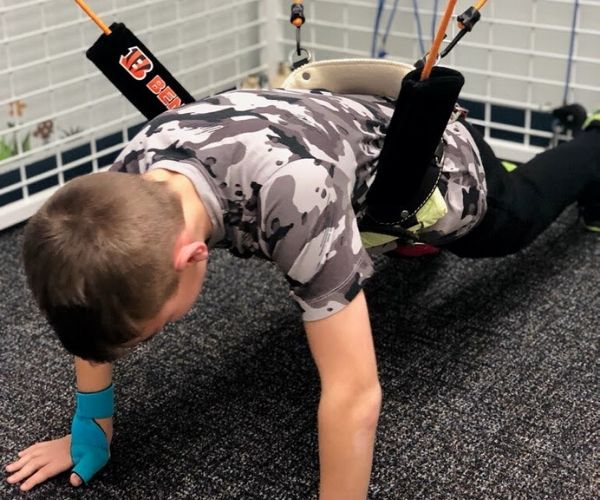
[{"x": 42, "y": 461}]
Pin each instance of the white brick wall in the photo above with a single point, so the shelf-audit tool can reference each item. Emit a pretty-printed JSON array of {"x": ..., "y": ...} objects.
[
  {"x": 515, "y": 59},
  {"x": 209, "y": 45}
]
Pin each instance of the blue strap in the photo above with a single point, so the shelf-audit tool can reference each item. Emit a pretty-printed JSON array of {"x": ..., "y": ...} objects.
[
  {"x": 90, "y": 449},
  {"x": 96, "y": 404}
]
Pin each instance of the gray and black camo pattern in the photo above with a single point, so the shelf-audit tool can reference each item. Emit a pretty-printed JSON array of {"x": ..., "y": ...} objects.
[
  {"x": 282, "y": 174},
  {"x": 463, "y": 186}
]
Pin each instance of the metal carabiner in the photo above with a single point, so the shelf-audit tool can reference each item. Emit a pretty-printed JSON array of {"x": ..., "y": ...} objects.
[{"x": 301, "y": 58}]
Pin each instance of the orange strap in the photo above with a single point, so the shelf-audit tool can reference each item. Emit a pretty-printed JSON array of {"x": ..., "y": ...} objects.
[
  {"x": 439, "y": 38},
  {"x": 481, "y": 4},
  {"x": 94, "y": 17}
]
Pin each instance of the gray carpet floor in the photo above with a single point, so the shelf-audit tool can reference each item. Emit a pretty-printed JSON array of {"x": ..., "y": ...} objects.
[{"x": 489, "y": 370}]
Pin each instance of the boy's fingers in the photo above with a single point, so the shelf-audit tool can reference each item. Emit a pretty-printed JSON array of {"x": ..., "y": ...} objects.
[
  {"x": 39, "y": 477},
  {"x": 12, "y": 466},
  {"x": 19, "y": 463},
  {"x": 76, "y": 480},
  {"x": 26, "y": 471},
  {"x": 26, "y": 451},
  {"x": 45, "y": 472}
]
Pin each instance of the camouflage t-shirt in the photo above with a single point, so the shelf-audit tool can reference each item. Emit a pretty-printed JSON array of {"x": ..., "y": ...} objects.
[{"x": 284, "y": 176}]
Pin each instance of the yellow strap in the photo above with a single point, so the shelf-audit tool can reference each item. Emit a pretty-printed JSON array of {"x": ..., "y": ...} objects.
[
  {"x": 372, "y": 240},
  {"x": 432, "y": 211}
]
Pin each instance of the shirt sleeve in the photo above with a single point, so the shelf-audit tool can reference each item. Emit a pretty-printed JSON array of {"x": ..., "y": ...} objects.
[{"x": 308, "y": 228}]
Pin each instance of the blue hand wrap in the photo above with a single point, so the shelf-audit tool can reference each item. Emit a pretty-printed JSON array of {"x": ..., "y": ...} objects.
[{"x": 89, "y": 444}]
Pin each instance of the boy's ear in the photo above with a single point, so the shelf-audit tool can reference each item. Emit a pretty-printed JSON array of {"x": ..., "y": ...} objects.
[{"x": 190, "y": 253}]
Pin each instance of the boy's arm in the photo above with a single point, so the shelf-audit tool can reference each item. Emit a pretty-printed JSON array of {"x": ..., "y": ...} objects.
[
  {"x": 90, "y": 447},
  {"x": 342, "y": 347},
  {"x": 92, "y": 378},
  {"x": 44, "y": 460}
]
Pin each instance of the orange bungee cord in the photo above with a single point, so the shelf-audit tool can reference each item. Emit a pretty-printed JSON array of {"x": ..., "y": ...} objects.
[
  {"x": 133, "y": 69},
  {"x": 466, "y": 22},
  {"x": 94, "y": 17},
  {"x": 439, "y": 38}
]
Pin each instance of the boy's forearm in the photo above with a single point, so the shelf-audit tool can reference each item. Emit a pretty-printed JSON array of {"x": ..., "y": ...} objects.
[
  {"x": 351, "y": 396},
  {"x": 92, "y": 378},
  {"x": 346, "y": 442}
]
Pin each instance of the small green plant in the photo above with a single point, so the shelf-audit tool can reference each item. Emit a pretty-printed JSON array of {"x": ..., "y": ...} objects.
[
  {"x": 8, "y": 149},
  {"x": 11, "y": 149},
  {"x": 5, "y": 150}
]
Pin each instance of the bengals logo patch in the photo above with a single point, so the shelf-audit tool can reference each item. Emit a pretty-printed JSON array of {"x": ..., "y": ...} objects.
[{"x": 137, "y": 64}]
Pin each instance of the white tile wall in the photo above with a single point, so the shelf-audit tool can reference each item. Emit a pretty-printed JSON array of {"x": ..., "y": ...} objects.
[
  {"x": 207, "y": 44},
  {"x": 513, "y": 35},
  {"x": 516, "y": 56},
  {"x": 42, "y": 60}
]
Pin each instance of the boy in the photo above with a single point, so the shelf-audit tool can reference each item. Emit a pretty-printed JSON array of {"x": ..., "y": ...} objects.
[{"x": 282, "y": 175}]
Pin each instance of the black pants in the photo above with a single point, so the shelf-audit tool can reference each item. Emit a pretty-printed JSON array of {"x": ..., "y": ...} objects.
[{"x": 522, "y": 203}]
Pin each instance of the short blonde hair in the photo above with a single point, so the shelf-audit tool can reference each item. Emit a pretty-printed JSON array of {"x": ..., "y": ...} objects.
[{"x": 99, "y": 259}]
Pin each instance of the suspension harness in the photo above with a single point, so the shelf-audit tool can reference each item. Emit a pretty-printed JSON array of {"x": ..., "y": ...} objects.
[{"x": 411, "y": 159}]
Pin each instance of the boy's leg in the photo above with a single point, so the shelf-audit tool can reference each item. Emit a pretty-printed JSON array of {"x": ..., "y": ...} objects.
[{"x": 522, "y": 203}]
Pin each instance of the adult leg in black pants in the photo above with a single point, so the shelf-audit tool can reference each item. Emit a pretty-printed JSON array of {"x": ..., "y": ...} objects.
[{"x": 522, "y": 203}]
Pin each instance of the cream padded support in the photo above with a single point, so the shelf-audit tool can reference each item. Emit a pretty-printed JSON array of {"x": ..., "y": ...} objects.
[{"x": 351, "y": 76}]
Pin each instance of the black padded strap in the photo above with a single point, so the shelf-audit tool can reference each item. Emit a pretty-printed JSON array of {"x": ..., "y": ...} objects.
[
  {"x": 136, "y": 72},
  {"x": 408, "y": 170}
]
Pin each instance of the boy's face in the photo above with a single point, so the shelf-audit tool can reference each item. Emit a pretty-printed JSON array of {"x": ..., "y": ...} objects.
[
  {"x": 190, "y": 254},
  {"x": 191, "y": 279}
]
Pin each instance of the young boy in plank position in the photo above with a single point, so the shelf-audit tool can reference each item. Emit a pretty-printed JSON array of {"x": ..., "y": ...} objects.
[{"x": 283, "y": 175}]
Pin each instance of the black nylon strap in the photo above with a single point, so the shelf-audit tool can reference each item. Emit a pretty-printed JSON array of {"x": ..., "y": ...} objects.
[
  {"x": 407, "y": 170},
  {"x": 136, "y": 72}
]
